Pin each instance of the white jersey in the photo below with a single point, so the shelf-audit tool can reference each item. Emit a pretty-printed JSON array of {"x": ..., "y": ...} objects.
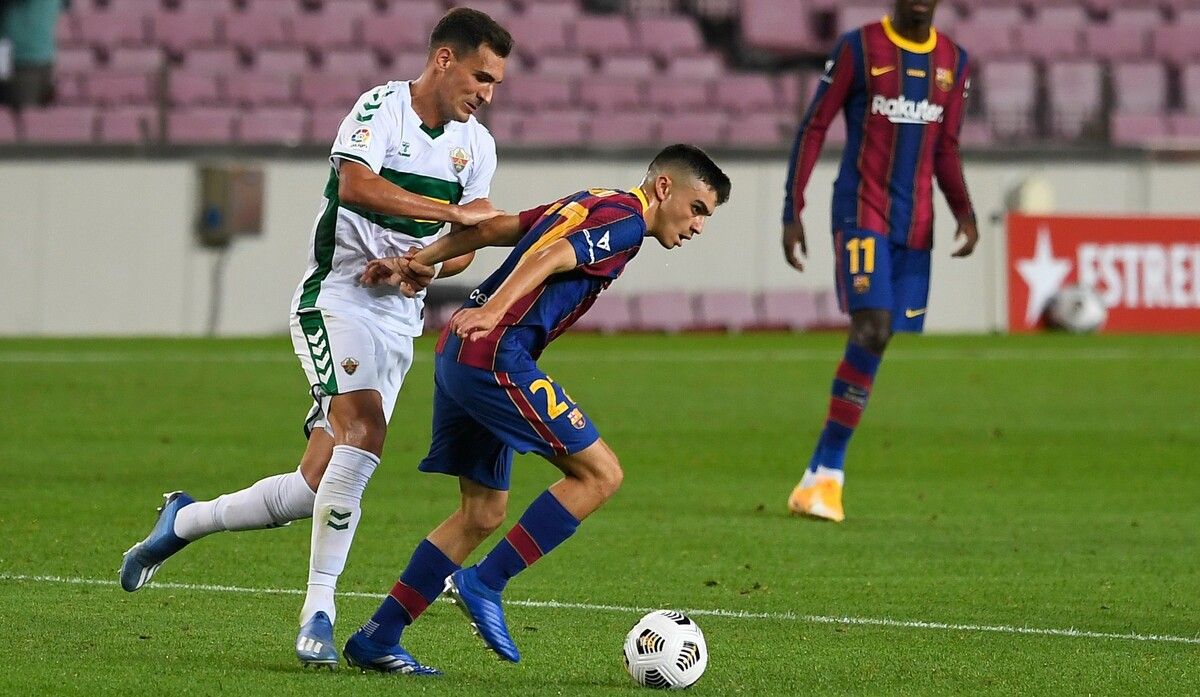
[{"x": 453, "y": 164}]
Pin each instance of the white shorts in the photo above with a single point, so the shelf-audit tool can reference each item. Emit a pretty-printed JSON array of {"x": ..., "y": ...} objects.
[{"x": 346, "y": 353}]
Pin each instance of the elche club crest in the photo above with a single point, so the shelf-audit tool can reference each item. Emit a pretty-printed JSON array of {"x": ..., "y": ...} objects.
[{"x": 460, "y": 159}]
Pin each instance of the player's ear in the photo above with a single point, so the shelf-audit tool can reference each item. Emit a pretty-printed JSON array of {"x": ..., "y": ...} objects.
[
  {"x": 443, "y": 56},
  {"x": 662, "y": 186}
]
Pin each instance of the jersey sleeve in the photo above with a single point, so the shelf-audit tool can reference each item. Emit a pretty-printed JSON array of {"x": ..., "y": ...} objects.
[
  {"x": 608, "y": 233},
  {"x": 947, "y": 163},
  {"x": 527, "y": 219},
  {"x": 832, "y": 91},
  {"x": 364, "y": 135},
  {"x": 479, "y": 184}
]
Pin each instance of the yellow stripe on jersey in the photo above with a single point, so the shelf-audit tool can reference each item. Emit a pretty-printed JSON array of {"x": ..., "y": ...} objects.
[
  {"x": 641, "y": 197},
  {"x": 438, "y": 200},
  {"x": 572, "y": 215}
]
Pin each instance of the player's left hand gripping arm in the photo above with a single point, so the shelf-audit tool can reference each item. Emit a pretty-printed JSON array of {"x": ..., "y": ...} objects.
[
  {"x": 414, "y": 272},
  {"x": 948, "y": 169},
  {"x": 530, "y": 272}
]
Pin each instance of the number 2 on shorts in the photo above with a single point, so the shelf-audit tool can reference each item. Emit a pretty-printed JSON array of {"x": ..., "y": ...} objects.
[{"x": 554, "y": 408}]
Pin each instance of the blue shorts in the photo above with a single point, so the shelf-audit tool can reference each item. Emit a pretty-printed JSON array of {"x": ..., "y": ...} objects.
[
  {"x": 481, "y": 417},
  {"x": 875, "y": 274}
]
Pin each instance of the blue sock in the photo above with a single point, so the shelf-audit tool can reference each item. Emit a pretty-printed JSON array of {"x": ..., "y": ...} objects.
[
  {"x": 848, "y": 398},
  {"x": 419, "y": 585},
  {"x": 543, "y": 526}
]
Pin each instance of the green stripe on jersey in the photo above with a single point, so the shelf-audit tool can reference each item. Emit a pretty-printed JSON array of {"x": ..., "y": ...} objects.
[
  {"x": 431, "y": 187},
  {"x": 323, "y": 246}
]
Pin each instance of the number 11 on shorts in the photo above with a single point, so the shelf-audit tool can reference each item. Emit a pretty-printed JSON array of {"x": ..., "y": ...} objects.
[{"x": 864, "y": 246}]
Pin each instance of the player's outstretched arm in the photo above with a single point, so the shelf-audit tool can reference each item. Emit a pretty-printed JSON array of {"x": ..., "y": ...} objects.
[
  {"x": 412, "y": 273},
  {"x": 359, "y": 186},
  {"x": 530, "y": 272}
]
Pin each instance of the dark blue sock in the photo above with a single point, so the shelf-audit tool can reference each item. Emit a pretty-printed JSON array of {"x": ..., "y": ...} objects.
[
  {"x": 848, "y": 398},
  {"x": 543, "y": 526},
  {"x": 419, "y": 585}
]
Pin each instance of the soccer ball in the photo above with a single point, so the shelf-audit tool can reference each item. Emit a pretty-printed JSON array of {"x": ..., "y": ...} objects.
[
  {"x": 1077, "y": 309},
  {"x": 665, "y": 650}
]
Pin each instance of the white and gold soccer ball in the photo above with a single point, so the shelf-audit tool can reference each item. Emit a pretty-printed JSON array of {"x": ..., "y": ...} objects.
[
  {"x": 665, "y": 650},
  {"x": 1077, "y": 309}
]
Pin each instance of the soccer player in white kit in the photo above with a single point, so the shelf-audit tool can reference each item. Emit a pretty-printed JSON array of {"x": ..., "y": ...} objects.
[{"x": 409, "y": 158}]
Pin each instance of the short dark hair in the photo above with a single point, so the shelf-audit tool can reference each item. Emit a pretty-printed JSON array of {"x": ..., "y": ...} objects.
[
  {"x": 694, "y": 160},
  {"x": 464, "y": 30}
]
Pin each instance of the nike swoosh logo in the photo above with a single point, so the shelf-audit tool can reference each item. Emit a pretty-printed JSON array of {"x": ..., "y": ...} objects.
[
  {"x": 876, "y": 72},
  {"x": 914, "y": 313}
]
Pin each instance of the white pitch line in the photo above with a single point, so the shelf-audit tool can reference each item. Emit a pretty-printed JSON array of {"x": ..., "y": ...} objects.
[{"x": 733, "y": 614}]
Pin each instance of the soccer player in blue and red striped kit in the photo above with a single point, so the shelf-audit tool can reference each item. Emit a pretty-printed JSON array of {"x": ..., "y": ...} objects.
[
  {"x": 902, "y": 87},
  {"x": 491, "y": 399}
]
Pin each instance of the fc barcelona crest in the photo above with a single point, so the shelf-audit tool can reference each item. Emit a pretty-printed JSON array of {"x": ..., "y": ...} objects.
[
  {"x": 349, "y": 365},
  {"x": 862, "y": 284},
  {"x": 459, "y": 158},
  {"x": 944, "y": 77},
  {"x": 577, "y": 419}
]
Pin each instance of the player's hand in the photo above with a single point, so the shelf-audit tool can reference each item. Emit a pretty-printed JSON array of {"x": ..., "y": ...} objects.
[
  {"x": 793, "y": 237},
  {"x": 968, "y": 232},
  {"x": 473, "y": 323},
  {"x": 410, "y": 276},
  {"x": 476, "y": 212}
]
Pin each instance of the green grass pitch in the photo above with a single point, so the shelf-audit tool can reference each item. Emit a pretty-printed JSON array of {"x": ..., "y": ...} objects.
[{"x": 996, "y": 484}]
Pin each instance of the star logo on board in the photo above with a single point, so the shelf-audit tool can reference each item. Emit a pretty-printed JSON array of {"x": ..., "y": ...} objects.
[{"x": 1043, "y": 274}]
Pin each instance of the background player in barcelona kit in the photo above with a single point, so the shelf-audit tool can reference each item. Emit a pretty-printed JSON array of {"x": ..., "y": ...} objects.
[
  {"x": 491, "y": 399},
  {"x": 902, "y": 87},
  {"x": 408, "y": 158}
]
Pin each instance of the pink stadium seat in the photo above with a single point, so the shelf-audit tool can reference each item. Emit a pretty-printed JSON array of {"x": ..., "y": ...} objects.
[
  {"x": 829, "y": 315},
  {"x": 761, "y": 130},
  {"x": 281, "y": 61},
  {"x": 136, "y": 59},
  {"x": 253, "y": 88},
  {"x": 1139, "y": 88},
  {"x": 792, "y": 89},
  {"x": 566, "y": 65},
  {"x": 998, "y": 15},
  {"x": 272, "y": 125},
  {"x": 1115, "y": 42},
  {"x": 782, "y": 28},
  {"x": 352, "y": 60},
  {"x": 359, "y": 9},
  {"x": 276, "y": 8},
  {"x": 129, "y": 125},
  {"x": 505, "y": 126},
  {"x": 609, "y": 314},
  {"x": 668, "y": 36},
  {"x": 534, "y": 36},
  {"x": 680, "y": 96},
  {"x": 701, "y": 128},
  {"x": 324, "y": 30},
  {"x": 186, "y": 28},
  {"x": 1138, "y": 130},
  {"x": 533, "y": 92},
  {"x": 732, "y": 311},
  {"x": 705, "y": 65},
  {"x": 563, "y": 10},
  {"x": 630, "y": 65},
  {"x": 603, "y": 35},
  {"x": 186, "y": 87},
  {"x": 1069, "y": 16},
  {"x": 201, "y": 126},
  {"x": 325, "y": 123},
  {"x": 984, "y": 41},
  {"x": 108, "y": 29},
  {"x": 111, "y": 87},
  {"x": 611, "y": 93},
  {"x": 976, "y": 133},
  {"x": 1145, "y": 17},
  {"x": 1049, "y": 41},
  {"x": 553, "y": 128},
  {"x": 1009, "y": 93},
  {"x": 1074, "y": 108},
  {"x": 852, "y": 16},
  {"x": 623, "y": 128},
  {"x": 70, "y": 88},
  {"x": 8, "y": 126},
  {"x": 795, "y": 310},
  {"x": 325, "y": 89},
  {"x": 256, "y": 28},
  {"x": 1190, "y": 83},
  {"x": 665, "y": 311},
  {"x": 65, "y": 124},
  {"x": 745, "y": 93},
  {"x": 221, "y": 60},
  {"x": 75, "y": 60},
  {"x": 392, "y": 33},
  {"x": 1176, "y": 43},
  {"x": 1185, "y": 127},
  {"x": 500, "y": 10},
  {"x": 66, "y": 30}
]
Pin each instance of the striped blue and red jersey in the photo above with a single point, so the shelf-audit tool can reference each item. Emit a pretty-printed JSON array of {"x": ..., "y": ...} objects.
[
  {"x": 605, "y": 227},
  {"x": 903, "y": 103}
]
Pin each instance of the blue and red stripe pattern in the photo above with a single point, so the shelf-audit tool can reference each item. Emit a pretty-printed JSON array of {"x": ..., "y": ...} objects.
[
  {"x": 605, "y": 228},
  {"x": 903, "y": 106}
]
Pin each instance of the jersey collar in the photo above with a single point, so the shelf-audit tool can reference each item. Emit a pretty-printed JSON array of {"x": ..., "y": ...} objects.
[
  {"x": 911, "y": 46},
  {"x": 637, "y": 192}
]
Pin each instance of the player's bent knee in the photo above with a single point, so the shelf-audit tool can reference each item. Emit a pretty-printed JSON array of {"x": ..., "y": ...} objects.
[
  {"x": 609, "y": 478},
  {"x": 482, "y": 522}
]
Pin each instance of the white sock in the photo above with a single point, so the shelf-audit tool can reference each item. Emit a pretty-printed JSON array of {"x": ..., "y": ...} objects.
[
  {"x": 268, "y": 503},
  {"x": 335, "y": 518}
]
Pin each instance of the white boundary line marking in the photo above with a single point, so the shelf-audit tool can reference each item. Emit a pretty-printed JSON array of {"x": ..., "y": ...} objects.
[{"x": 733, "y": 614}]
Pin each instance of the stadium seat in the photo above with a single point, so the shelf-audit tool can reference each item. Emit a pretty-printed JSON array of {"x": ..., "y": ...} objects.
[
  {"x": 792, "y": 88},
  {"x": 624, "y": 128},
  {"x": 765, "y": 129},
  {"x": 272, "y": 125},
  {"x": 256, "y": 28},
  {"x": 129, "y": 125},
  {"x": 1190, "y": 85},
  {"x": 75, "y": 60},
  {"x": 702, "y": 128},
  {"x": 745, "y": 93},
  {"x": 781, "y": 28},
  {"x": 665, "y": 311},
  {"x": 566, "y": 65},
  {"x": 679, "y": 96},
  {"x": 252, "y": 88},
  {"x": 324, "y": 124},
  {"x": 8, "y": 126},
  {"x": 609, "y": 314},
  {"x": 630, "y": 65},
  {"x": 1048, "y": 41},
  {"x": 705, "y": 65},
  {"x": 350, "y": 61},
  {"x": 406, "y": 66},
  {"x": 829, "y": 315},
  {"x": 1185, "y": 127},
  {"x": 1144, "y": 17},
  {"x": 320, "y": 31},
  {"x": 64, "y": 124},
  {"x": 201, "y": 125},
  {"x": 281, "y": 61},
  {"x": 856, "y": 15},
  {"x": 976, "y": 133},
  {"x": 146, "y": 59},
  {"x": 505, "y": 125},
  {"x": 1009, "y": 91},
  {"x": 119, "y": 87},
  {"x": 609, "y": 93},
  {"x": 107, "y": 29},
  {"x": 534, "y": 91},
  {"x": 535, "y": 36},
  {"x": 668, "y": 36},
  {"x": 1139, "y": 88},
  {"x": 985, "y": 41},
  {"x": 396, "y": 32},
  {"x": 1073, "y": 109},
  {"x": 1061, "y": 16},
  {"x": 1115, "y": 42},
  {"x": 603, "y": 35},
  {"x": 562, "y": 10},
  {"x": 795, "y": 310},
  {"x": 222, "y": 60},
  {"x": 553, "y": 128},
  {"x": 1138, "y": 129},
  {"x": 186, "y": 28},
  {"x": 186, "y": 87},
  {"x": 1176, "y": 43},
  {"x": 732, "y": 311}
]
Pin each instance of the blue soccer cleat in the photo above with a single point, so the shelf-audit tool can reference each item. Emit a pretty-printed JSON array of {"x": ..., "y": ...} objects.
[
  {"x": 481, "y": 605},
  {"x": 314, "y": 644},
  {"x": 144, "y": 558},
  {"x": 364, "y": 653}
]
